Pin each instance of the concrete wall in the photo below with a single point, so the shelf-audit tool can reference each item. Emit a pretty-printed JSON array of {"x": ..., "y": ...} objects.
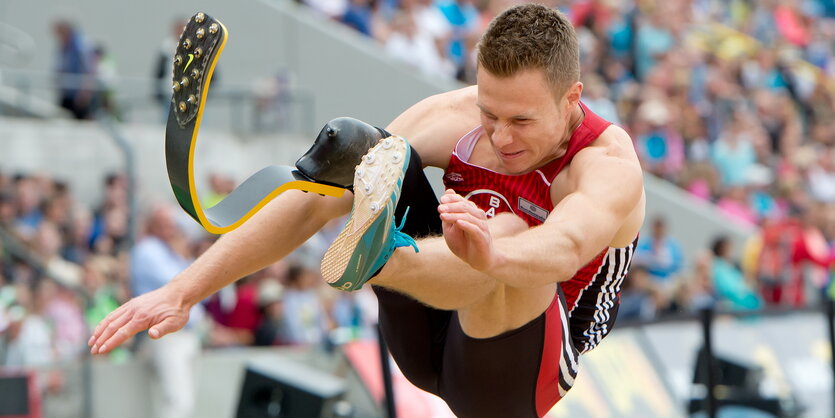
[
  {"x": 347, "y": 74},
  {"x": 127, "y": 389},
  {"x": 82, "y": 153},
  {"x": 693, "y": 222}
]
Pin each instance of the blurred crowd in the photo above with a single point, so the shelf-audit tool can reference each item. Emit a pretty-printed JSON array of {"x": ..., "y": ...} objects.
[
  {"x": 730, "y": 100},
  {"x": 65, "y": 265}
]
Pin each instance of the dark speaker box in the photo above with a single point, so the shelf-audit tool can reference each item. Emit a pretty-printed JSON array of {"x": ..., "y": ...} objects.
[
  {"x": 280, "y": 388},
  {"x": 19, "y": 396}
]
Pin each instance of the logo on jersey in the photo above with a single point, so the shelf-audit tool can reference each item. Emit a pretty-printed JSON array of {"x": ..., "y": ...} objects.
[
  {"x": 454, "y": 177},
  {"x": 532, "y": 210},
  {"x": 489, "y": 201}
]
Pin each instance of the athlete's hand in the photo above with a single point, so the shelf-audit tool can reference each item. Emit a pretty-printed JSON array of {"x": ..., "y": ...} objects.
[
  {"x": 469, "y": 234},
  {"x": 161, "y": 312}
]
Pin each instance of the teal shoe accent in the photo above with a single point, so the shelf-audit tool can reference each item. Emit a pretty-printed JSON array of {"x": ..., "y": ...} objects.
[{"x": 402, "y": 239}]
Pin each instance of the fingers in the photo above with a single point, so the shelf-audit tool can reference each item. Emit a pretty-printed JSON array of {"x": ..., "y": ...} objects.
[
  {"x": 118, "y": 337},
  {"x": 450, "y": 196},
  {"x": 464, "y": 216},
  {"x": 479, "y": 253},
  {"x": 106, "y": 328},
  {"x": 454, "y": 203},
  {"x": 167, "y": 326},
  {"x": 476, "y": 231}
]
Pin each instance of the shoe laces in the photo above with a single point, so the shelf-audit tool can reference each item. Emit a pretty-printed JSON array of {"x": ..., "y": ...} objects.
[{"x": 401, "y": 239}]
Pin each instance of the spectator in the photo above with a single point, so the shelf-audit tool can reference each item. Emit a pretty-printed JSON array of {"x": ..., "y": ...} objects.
[
  {"x": 596, "y": 97},
  {"x": 661, "y": 256},
  {"x": 236, "y": 322},
  {"x": 358, "y": 15},
  {"x": 354, "y": 316},
  {"x": 652, "y": 40},
  {"x": 462, "y": 17},
  {"x": 636, "y": 300},
  {"x": 305, "y": 320},
  {"x": 660, "y": 147},
  {"x": 104, "y": 69},
  {"x": 7, "y": 210},
  {"x": 155, "y": 260},
  {"x": 733, "y": 153},
  {"x": 74, "y": 69},
  {"x": 219, "y": 187},
  {"x": 695, "y": 291},
  {"x": 110, "y": 219},
  {"x": 47, "y": 245},
  {"x": 415, "y": 47},
  {"x": 811, "y": 259},
  {"x": 62, "y": 310},
  {"x": 821, "y": 176},
  {"x": 28, "y": 198},
  {"x": 270, "y": 302},
  {"x": 769, "y": 257},
  {"x": 732, "y": 290},
  {"x": 29, "y": 339}
]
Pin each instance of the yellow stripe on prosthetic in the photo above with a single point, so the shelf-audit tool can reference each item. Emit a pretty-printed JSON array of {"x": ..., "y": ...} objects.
[{"x": 198, "y": 208}]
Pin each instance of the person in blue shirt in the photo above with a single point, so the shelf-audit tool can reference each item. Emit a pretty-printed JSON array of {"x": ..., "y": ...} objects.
[
  {"x": 159, "y": 256},
  {"x": 660, "y": 255},
  {"x": 74, "y": 70}
]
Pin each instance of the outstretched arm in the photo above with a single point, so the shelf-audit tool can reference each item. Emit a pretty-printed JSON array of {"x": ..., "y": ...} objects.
[{"x": 271, "y": 234}]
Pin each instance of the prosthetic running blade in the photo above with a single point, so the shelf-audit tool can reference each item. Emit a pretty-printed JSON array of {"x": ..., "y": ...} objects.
[{"x": 197, "y": 53}]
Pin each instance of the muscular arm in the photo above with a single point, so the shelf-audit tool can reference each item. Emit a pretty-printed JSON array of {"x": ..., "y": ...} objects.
[
  {"x": 272, "y": 233},
  {"x": 602, "y": 206},
  {"x": 579, "y": 227},
  {"x": 277, "y": 229}
]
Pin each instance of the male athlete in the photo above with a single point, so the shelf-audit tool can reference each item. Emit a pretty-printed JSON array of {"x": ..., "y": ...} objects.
[{"x": 538, "y": 227}]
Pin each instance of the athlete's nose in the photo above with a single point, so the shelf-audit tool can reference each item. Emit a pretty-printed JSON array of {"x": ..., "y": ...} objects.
[{"x": 501, "y": 135}]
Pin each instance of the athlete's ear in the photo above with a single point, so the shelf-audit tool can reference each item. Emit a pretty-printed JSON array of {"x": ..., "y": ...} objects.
[{"x": 573, "y": 94}]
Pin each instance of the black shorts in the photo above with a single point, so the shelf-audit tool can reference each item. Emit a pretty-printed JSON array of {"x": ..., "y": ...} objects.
[{"x": 520, "y": 373}]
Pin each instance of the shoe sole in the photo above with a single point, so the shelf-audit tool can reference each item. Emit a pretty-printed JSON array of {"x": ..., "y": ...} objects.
[{"x": 384, "y": 173}]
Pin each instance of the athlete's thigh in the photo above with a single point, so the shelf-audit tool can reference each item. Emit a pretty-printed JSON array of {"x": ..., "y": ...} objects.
[{"x": 520, "y": 373}]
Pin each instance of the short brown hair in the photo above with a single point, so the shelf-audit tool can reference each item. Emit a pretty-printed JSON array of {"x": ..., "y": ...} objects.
[{"x": 532, "y": 36}]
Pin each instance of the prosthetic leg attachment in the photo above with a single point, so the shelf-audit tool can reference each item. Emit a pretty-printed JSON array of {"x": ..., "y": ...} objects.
[{"x": 197, "y": 53}]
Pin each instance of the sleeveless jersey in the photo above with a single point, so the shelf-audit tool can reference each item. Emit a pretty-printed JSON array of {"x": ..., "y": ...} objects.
[{"x": 592, "y": 295}]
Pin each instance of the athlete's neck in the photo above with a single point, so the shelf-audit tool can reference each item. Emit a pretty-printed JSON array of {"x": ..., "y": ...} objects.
[{"x": 574, "y": 122}]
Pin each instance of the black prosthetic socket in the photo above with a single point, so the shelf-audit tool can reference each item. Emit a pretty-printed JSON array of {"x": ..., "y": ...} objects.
[{"x": 338, "y": 150}]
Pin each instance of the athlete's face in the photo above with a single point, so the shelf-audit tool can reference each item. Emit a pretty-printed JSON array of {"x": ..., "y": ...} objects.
[{"x": 526, "y": 124}]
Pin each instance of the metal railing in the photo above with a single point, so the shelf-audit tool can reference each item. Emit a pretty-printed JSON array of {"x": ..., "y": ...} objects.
[
  {"x": 240, "y": 108},
  {"x": 716, "y": 393}
]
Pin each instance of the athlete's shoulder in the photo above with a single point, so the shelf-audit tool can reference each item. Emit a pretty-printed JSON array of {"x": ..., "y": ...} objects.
[
  {"x": 611, "y": 155},
  {"x": 452, "y": 105},
  {"x": 433, "y": 125},
  {"x": 613, "y": 142}
]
